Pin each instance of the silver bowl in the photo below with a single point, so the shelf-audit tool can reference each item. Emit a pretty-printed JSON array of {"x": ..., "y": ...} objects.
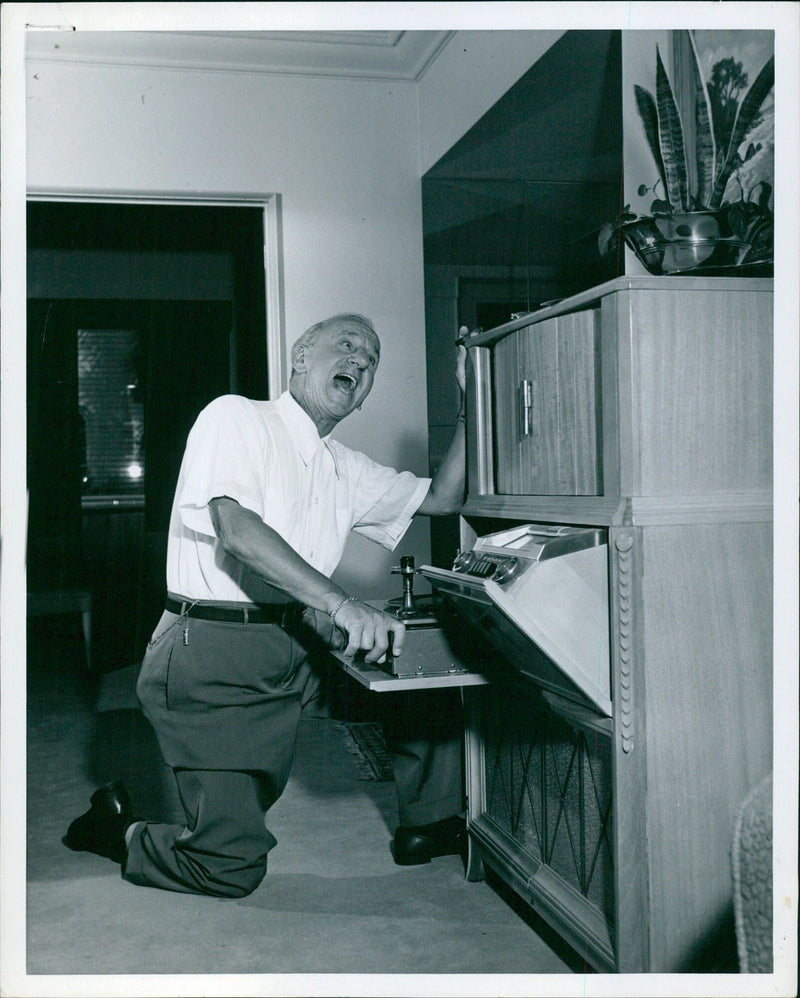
[{"x": 684, "y": 242}]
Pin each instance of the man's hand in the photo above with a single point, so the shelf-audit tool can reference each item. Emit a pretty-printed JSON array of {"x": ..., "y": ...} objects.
[
  {"x": 368, "y": 630},
  {"x": 461, "y": 362}
]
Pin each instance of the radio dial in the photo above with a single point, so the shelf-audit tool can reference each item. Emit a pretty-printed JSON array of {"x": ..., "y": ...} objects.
[
  {"x": 464, "y": 561},
  {"x": 506, "y": 570}
]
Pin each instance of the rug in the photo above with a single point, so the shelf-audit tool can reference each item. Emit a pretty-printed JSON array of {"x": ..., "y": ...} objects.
[{"x": 365, "y": 742}]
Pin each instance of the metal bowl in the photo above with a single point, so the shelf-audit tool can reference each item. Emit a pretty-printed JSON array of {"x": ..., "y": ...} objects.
[{"x": 684, "y": 242}]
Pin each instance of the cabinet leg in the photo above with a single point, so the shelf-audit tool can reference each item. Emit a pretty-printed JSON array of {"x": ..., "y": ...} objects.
[{"x": 474, "y": 870}]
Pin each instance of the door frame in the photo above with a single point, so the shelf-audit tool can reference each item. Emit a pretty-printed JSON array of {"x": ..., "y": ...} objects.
[{"x": 270, "y": 204}]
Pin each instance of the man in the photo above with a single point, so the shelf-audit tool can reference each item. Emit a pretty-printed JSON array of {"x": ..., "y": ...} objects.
[{"x": 264, "y": 503}]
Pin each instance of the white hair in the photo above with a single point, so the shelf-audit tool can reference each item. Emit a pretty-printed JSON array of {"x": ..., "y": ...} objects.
[{"x": 307, "y": 338}]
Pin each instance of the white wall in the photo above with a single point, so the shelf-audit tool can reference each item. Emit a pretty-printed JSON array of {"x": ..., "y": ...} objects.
[{"x": 342, "y": 154}]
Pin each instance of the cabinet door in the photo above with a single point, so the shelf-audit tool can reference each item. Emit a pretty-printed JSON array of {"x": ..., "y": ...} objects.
[
  {"x": 578, "y": 425},
  {"x": 546, "y": 429},
  {"x": 506, "y": 415}
]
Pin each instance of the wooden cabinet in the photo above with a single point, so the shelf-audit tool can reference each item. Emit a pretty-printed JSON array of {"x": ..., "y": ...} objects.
[
  {"x": 545, "y": 392},
  {"x": 643, "y": 390},
  {"x": 650, "y": 417}
]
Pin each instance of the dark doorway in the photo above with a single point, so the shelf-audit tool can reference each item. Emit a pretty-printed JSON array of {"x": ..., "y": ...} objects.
[{"x": 138, "y": 316}]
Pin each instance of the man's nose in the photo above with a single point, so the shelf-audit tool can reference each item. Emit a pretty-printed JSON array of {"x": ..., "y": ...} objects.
[{"x": 359, "y": 358}]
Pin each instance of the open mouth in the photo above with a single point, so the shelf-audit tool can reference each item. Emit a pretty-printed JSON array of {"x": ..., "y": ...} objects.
[{"x": 346, "y": 382}]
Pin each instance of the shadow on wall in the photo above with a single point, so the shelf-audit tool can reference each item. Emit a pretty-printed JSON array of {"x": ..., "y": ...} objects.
[{"x": 715, "y": 952}]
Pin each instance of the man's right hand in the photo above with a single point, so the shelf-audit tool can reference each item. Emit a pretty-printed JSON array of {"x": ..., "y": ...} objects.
[{"x": 368, "y": 630}]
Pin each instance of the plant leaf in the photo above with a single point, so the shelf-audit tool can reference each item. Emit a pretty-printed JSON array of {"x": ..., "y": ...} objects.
[
  {"x": 670, "y": 136},
  {"x": 705, "y": 147},
  {"x": 646, "y": 106},
  {"x": 659, "y": 207},
  {"x": 748, "y": 109},
  {"x": 764, "y": 196}
]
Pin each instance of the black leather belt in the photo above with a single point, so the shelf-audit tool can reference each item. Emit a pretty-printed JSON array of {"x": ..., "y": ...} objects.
[{"x": 264, "y": 613}]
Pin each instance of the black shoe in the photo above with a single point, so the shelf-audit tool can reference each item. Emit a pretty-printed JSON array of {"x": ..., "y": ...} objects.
[
  {"x": 102, "y": 828},
  {"x": 414, "y": 844}
]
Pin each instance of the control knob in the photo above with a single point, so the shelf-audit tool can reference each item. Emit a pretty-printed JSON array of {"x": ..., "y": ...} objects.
[
  {"x": 464, "y": 561},
  {"x": 506, "y": 570}
]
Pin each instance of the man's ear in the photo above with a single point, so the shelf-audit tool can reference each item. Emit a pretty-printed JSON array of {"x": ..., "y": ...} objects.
[{"x": 299, "y": 358}]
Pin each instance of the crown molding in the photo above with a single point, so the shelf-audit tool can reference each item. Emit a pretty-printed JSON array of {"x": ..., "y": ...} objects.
[{"x": 369, "y": 55}]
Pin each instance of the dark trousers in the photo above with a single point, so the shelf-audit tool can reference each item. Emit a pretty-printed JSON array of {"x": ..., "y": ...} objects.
[
  {"x": 225, "y": 700},
  {"x": 424, "y": 733}
]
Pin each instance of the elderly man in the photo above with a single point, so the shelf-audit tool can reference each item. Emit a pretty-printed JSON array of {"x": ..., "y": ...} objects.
[{"x": 264, "y": 504}]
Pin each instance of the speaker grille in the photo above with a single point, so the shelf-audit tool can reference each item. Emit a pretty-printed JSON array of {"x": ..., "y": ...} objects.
[{"x": 548, "y": 786}]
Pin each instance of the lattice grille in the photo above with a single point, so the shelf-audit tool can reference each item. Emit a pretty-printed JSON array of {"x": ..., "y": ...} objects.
[{"x": 549, "y": 786}]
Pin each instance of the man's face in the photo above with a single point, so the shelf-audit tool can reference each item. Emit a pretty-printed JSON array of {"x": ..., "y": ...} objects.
[{"x": 340, "y": 367}]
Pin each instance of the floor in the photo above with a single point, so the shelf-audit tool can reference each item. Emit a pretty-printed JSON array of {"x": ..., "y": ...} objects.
[{"x": 333, "y": 901}]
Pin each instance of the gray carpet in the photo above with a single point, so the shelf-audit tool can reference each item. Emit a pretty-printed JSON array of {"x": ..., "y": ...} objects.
[{"x": 333, "y": 901}]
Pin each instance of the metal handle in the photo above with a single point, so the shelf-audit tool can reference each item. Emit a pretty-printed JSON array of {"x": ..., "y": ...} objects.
[
  {"x": 408, "y": 572},
  {"x": 525, "y": 408}
]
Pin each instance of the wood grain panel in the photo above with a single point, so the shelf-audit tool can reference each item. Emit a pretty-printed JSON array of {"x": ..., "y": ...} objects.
[
  {"x": 702, "y": 392},
  {"x": 561, "y": 455},
  {"x": 682, "y": 287},
  {"x": 578, "y": 404},
  {"x": 552, "y": 509},
  {"x": 706, "y": 601},
  {"x": 538, "y": 358},
  {"x": 615, "y": 381},
  {"x": 506, "y": 377}
]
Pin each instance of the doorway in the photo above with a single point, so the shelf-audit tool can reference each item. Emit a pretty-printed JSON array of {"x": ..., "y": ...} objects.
[{"x": 139, "y": 314}]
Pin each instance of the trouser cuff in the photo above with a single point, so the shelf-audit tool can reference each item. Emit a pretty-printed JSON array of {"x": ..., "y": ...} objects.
[{"x": 430, "y": 811}]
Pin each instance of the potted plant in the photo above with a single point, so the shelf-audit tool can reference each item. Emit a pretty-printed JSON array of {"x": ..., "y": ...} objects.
[{"x": 691, "y": 226}]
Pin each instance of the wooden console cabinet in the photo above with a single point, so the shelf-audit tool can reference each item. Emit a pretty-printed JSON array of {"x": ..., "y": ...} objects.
[{"x": 642, "y": 406}]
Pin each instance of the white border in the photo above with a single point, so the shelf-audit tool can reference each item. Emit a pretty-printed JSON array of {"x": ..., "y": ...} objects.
[{"x": 783, "y": 18}]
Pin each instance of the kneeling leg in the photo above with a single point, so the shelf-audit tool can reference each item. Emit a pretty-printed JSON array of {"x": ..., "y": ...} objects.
[{"x": 222, "y": 849}]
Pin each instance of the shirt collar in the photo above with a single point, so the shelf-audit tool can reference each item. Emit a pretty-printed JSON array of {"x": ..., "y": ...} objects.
[{"x": 302, "y": 430}]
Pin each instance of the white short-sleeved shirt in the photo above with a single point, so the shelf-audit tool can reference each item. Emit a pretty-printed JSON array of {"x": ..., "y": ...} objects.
[{"x": 269, "y": 457}]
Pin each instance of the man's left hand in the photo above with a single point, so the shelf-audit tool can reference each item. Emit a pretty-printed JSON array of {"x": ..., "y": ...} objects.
[{"x": 461, "y": 362}]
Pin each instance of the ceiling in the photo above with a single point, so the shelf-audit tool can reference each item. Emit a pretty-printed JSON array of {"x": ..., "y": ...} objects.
[{"x": 375, "y": 55}]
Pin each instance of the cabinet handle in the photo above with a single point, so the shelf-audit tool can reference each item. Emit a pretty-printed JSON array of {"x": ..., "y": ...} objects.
[{"x": 525, "y": 408}]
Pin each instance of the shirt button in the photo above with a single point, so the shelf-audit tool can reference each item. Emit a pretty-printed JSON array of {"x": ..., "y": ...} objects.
[{"x": 316, "y": 500}]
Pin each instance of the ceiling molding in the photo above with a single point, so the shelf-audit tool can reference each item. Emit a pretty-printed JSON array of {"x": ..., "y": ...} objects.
[{"x": 369, "y": 55}]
